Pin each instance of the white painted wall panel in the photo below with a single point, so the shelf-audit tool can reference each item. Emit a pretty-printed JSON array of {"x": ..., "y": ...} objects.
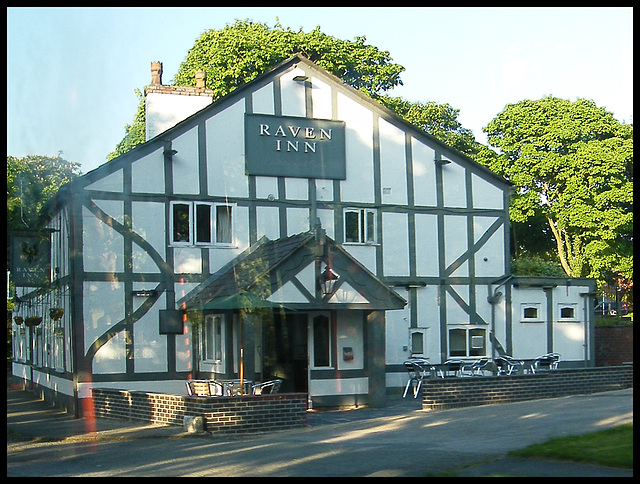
[
  {"x": 427, "y": 255},
  {"x": 486, "y": 195},
  {"x": 292, "y": 94},
  {"x": 393, "y": 166},
  {"x": 395, "y": 244},
  {"x": 262, "y": 100},
  {"x": 147, "y": 173},
  {"x": 185, "y": 163},
  {"x": 358, "y": 187},
  {"x": 225, "y": 153},
  {"x": 424, "y": 174},
  {"x": 454, "y": 185}
]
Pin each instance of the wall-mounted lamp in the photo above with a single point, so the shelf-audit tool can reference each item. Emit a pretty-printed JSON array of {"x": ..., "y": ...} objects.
[
  {"x": 327, "y": 280},
  {"x": 170, "y": 152},
  {"x": 301, "y": 78},
  {"x": 442, "y": 162}
]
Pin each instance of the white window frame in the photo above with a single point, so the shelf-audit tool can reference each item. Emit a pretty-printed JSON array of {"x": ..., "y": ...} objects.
[
  {"x": 469, "y": 342},
  {"x": 367, "y": 235},
  {"x": 527, "y": 319},
  {"x": 412, "y": 350},
  {"x": 193, "y": 220},
  {"x": 573, "y": 307},
  {"x": 211, "y": 339}
]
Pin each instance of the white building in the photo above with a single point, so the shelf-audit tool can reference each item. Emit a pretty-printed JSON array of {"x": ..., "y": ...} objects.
[{"x": 260, "y": 193}]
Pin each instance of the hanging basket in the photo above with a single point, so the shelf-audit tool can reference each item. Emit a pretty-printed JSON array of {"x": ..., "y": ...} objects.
[
  {"x": 56, "y": 313},
  {"x": 18, "y": 319},
  {"x": 33, "y": 321}
]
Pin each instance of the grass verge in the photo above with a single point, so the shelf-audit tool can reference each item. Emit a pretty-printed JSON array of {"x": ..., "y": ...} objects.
[{"x": 612, "y": 447}]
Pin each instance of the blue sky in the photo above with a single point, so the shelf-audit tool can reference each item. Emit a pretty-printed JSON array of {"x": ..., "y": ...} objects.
[{"x": 72, "y": 72}]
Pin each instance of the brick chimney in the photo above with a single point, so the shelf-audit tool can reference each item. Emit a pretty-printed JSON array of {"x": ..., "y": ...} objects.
[{"x": 166, "y": 106}]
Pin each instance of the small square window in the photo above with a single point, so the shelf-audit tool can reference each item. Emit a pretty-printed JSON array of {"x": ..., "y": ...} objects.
[
  {"x": 530, "y": 313},
  {"x": 567, "y": 312}
]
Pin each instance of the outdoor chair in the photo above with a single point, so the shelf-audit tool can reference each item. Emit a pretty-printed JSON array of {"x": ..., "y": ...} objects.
[
  {"x": 452, "y": 366},
  {"x": 476, "y": 368},
  {"x": 198, "y": 388},
  {"x": 205, "y": 388},
  {"x": 545, "y": 362},
  {"x": 264, "y": 388},
  {"x": 417, "y": 369},
  {"x": 506, "y": 365}
]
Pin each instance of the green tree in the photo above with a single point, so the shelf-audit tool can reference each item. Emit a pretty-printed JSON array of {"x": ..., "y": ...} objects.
[
  {"x": 571, "y": 163},
  {"x": 238, "y": 53},
  {"x": 31, "y": 181}
]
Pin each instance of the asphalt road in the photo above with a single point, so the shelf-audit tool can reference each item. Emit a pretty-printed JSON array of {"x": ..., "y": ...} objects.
[{"x": 401, "y": 441}]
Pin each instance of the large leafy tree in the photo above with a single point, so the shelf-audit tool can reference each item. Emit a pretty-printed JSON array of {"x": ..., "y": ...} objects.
[
  {"x": 31, "y": 181},
  {"x": 572, "y": 164},
  {"x": 238, "y": 53}
]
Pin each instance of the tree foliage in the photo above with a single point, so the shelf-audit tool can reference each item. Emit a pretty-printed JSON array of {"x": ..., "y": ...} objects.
[
  {"x": 238, "y": 53},
  {"x": 572, "y": 163},
  {"x": 31, "y": 181}
]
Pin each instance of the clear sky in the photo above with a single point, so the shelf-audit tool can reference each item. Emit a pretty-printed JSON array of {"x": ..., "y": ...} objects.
[{"x": 72, "y": 72}]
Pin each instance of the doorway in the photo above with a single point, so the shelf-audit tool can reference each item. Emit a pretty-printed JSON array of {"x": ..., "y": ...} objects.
[{"x": 285, "y": 351}]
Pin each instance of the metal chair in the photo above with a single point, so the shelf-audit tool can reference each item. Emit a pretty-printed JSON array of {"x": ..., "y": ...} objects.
[
  {"x": 506, "y": 365},
  {"x": 476, "y": 368},
  {"x": 546, "y": 362},
  {"x": 453, "y": 365},
  {"x": 264, "y": 388},
  {"x": 417, "y": 369}
]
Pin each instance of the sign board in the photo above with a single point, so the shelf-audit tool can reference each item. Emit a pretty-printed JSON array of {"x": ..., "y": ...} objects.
[
  {"x": 294, "y": 147},
  {"x": 30, "y": 259}
]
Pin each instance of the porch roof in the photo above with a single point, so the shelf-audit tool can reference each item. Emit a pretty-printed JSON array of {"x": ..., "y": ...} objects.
[{"x": 284, "y": 272}]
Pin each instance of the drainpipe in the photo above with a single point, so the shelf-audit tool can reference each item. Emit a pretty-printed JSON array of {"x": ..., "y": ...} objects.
[{"x": 493, "y": 299}]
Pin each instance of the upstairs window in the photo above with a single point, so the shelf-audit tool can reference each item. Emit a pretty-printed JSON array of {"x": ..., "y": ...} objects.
[
  {"x": 360, "y": 226},
  {"x": 201, "y": 223}
]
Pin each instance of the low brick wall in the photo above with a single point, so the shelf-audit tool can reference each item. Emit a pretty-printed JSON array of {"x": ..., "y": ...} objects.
[
  {"x": 228, "y": 415},
  {"x": 444, "y": 393}
]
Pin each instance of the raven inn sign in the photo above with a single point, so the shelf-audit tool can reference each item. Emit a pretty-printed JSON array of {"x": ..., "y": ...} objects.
[{"x": 296, "y": 147}]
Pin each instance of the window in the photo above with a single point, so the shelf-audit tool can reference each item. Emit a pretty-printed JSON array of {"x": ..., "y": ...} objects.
[
  {"x": 417, "y": 341},
  {"x": 530, "y": 313},
  {"x": 467, "y": 342},
  {"x": 201, "y": 223},
  {"x": 213, "y": 339},
  {"x": 360, "y": 226},
  {"x": 321, "y": 341},
  {"x": 567, "y": 312}
]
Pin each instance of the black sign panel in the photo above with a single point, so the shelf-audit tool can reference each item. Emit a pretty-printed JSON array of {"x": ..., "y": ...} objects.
[
  {"x": 295, "y": 147},
  {"x": 31, "y": 259}
]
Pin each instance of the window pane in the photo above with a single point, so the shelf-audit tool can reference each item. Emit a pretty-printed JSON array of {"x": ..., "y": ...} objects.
[
  {"x": 180, "y": 222},
  {"x": 217, "y": 330},
  {"x": 352, "y": 227},
  {"x": 208, "y": 340},
  {"x": 567, "y": 313},
  {"x": 457, "y": 342},
  {"x": 371, "y": 226},
  {"x": 531, "y": 313},
  {"x": 321, "y": 341},
  {"x": 477, "y": 342},
  {"x": 223, "y": 224},
  {"x": 417, "y": 343},
  {"x": 203, "y": 223}
]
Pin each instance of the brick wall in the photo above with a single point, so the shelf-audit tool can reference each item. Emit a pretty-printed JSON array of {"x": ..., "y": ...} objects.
[
  {"x": 239, "y": 414},
  {"x": 444, "y": 393},
  {"x": 614, "y": 345}
]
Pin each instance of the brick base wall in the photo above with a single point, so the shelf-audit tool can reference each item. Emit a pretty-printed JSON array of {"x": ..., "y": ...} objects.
[
  {"x": 444, "y": 393},
  {"x": 239, "y": 414},
  {"x": 614, "y": 345}
]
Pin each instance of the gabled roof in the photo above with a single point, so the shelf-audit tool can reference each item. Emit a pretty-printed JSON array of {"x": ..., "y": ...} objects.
[
  {"x": 225, "y": 101},
  {"x": 284, "y": 271}
]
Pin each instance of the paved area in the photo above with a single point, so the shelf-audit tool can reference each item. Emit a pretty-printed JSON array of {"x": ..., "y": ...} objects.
[{"x": 400, "y": 440}]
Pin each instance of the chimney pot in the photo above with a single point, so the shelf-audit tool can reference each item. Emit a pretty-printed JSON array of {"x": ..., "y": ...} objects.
[
  {"x": 156, "y": 73},
  {"x": 201, "y": 77}
]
